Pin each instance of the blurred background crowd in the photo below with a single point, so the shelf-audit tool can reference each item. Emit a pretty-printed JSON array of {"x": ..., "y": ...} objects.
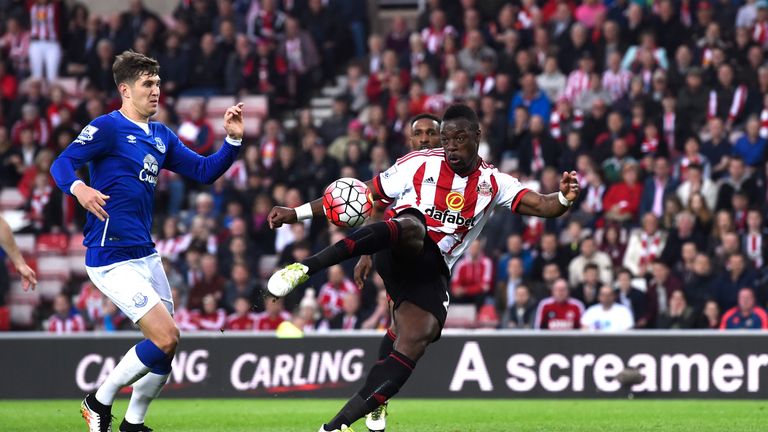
[{"x": 661, "y": 106}]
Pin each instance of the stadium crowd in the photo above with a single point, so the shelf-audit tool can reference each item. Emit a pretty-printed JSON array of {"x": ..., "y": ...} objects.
[{"x": 661, "y": 107}]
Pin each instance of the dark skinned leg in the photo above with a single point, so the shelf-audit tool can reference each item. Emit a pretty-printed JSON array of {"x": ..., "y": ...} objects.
[{"x": 417, "y": 329}]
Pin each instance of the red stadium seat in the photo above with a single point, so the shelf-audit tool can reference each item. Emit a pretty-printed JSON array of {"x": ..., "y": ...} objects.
[
  {"x": 26, "y": 243},
  {"x": 184, "y": 105},
  {"x": 52, "y": 244},
  {"x": 217, "y": 105}
]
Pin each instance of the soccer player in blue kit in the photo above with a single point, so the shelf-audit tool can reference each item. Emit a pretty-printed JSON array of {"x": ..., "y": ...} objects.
[{"x": 125, "y": 151}]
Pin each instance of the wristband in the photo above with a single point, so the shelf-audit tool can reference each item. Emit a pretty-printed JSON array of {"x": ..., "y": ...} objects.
[
  {"x": 304, "y": 212},
  {"x": 563, "y": 200},
  {"x": 72, "y": 188},
  {"x": 233, "y": 141}
]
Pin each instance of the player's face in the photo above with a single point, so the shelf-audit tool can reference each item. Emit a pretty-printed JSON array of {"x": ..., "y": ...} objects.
[
  {"x": 145, "y": 94},
  {"x": 425, "y": 134},
  {"x": 460, "y": 142}
]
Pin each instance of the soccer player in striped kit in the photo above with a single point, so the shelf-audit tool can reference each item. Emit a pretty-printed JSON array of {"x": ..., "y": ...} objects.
[
  {"x": 125, "y": 151},
  {"x": 443, "y": 198}
]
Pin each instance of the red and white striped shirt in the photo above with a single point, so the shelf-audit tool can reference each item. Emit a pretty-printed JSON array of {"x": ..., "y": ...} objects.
[
  {"x": 43, "y": 21},
  {"x": 331, "y": 297},
  {"x": 456, "y": 208},
  {"x": 616, "y": 83},
  {"x": 577, "y": 84},
  {"x": 210, "y": 321},
  {"x": 72, "y": 324},
  {"x": 434, "y": 38},
  {"x": 242, "y": 322},
  {"x": 764, "y": 123}
]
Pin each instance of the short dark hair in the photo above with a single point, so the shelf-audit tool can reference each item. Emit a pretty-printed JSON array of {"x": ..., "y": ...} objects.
[
  {"x": 130, "y": 65},
  {"x": 429, "y": 116},
  {"x": 591, "y": 266},
  {"x": 461, "y": 111}
]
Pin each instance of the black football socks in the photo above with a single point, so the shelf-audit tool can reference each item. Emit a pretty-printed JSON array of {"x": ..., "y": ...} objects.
[
  {"x": 387, "y": 343},
  {"x": 364, "y": 241},
  {"x": 384, "y": 381}
]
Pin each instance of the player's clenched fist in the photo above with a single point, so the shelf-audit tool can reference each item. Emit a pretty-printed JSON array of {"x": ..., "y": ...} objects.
[
  {"x": 281, "y": 215},
  {"x": 92, "y": 200},
  {"x": 233, "y": 121}
]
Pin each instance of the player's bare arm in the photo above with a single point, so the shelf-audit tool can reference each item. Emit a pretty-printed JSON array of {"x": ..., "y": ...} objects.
[
  {"x": 28, "y": 277},
  {"x": 551, "y": 205}
]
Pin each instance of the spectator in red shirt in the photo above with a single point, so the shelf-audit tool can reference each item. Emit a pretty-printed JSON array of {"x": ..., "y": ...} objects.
[
  {"x": 332, "y": 293},
  {"x": 242, "y": 319},
  {"x": 622, "y": 200},
  {"x": 273, "y": 316},
  {"x": 64, "y": 318},
  {"x": 211, "y": 318},
  {"x": 560, "y": 311},
  {"x": 211, "y": 283},
  {"x": 196, "y": 132},
  {"x": 472, "y": 276}
]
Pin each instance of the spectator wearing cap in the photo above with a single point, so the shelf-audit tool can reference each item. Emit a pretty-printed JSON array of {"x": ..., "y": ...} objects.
[
  {"x": 745, "y": 315},
  {"x": 531, "y": 98}
]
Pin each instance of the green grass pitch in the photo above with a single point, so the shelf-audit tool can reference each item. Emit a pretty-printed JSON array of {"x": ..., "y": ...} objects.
[{"x": 258, "y": 415}]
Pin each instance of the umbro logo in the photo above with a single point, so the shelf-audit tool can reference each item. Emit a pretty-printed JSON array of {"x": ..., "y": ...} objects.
[
  {"x": 131, "y": 139},
  {"x": 429, "y": 180}
]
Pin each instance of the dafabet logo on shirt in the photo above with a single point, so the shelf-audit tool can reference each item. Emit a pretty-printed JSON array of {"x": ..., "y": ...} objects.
[{"x": 455, "y": 201}]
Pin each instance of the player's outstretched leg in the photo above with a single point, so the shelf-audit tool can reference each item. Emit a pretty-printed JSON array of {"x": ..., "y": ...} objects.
[
  {"x": 417, "y": 328},
  {"x": 405, "y": 231},
  {"x": 376, "y": 420},
  {"x": 151, "y": 354}
]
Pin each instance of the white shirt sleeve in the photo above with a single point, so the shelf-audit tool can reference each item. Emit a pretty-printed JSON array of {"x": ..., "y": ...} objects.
[
  {"x": 396, "y": 180},
  {"x": 511, "y": 191}
]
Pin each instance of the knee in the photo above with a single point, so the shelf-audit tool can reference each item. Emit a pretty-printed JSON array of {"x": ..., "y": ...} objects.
[
  {"x": 169, "y": 340},
  {"x": 412, "y": 344}
]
